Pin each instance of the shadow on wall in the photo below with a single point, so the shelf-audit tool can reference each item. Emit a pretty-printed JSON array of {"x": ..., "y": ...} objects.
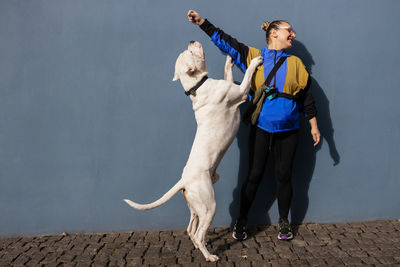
[{"x": 304, "y": 163}]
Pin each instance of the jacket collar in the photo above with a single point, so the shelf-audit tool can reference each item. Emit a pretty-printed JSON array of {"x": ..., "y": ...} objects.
[{"x": 269, "y": 54}]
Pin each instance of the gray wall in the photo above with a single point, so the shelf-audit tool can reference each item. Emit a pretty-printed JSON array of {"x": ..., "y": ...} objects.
[{"x": 89, "y": 114}]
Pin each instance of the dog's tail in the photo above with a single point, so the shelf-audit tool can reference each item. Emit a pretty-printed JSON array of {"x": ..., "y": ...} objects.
[{"x": 167, "y": 196}]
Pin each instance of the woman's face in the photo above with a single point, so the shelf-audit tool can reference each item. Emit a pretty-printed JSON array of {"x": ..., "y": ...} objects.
[{"x": 285, "y": 35}]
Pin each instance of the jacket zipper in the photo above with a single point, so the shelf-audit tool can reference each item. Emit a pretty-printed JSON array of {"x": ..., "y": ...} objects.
[
  {"x": 271, "y": 138},
  {"x": 274, "y": 66}
]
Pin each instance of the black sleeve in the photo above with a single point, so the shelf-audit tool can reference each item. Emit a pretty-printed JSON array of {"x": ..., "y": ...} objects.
[
  {"x": 308, "y": 102},
  {"x": 237, "y": 50}
]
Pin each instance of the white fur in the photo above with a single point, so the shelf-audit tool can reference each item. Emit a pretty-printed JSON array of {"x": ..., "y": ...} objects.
[{"x": 216, "y": 108}]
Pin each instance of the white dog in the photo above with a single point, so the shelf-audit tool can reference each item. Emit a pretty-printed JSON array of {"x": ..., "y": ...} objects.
[{"x": 216, "y": 107}]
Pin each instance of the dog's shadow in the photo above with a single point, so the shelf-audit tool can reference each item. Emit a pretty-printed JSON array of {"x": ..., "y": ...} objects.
[{"x": 304, "y": 162}]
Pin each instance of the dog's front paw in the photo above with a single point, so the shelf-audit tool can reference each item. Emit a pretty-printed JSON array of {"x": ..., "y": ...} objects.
[
  {"x": 256, "y": 62},
  {"x": 229, "y": 62},
  {"x": 212, "y": 258}
]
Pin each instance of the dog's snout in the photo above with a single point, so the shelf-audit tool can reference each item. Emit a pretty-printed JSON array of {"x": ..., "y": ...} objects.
[{"x": 192, "y": 42}]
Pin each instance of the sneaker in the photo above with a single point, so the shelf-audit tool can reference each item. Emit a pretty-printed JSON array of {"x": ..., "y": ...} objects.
[
  {"x": 239, "y": 230},
  {"x": 285, "y": 231}
]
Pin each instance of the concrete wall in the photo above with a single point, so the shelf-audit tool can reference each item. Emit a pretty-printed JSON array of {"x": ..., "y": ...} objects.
[{"x": 89, "y": 114}]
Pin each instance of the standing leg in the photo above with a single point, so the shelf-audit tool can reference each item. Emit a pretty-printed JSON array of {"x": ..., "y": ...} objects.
[
  {"x": 192, "y": 227},
  {"x": 201, "y": 200},
  {"x": 194, "y": 219},
  {"x": 205, "y": 211},
  {"x": 204, "y": 223},
  {"x": 258, "y": 155},
  {"x": 258, "y": 148},
  {"x": 284, "y": 148}
]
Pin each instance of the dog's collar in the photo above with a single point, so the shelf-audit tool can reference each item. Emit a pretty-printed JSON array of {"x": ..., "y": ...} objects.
[{"x": 192, "y": 91}]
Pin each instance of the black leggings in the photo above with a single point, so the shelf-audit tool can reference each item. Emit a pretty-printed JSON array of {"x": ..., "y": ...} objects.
[{"x": 282, "y": 146}]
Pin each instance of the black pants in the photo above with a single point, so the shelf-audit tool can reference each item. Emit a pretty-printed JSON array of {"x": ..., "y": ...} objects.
[{"x": 282, "y": 147}]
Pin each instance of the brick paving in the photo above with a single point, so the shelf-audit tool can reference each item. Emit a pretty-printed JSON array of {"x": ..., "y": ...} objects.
[{"x": 372, "y": 243}]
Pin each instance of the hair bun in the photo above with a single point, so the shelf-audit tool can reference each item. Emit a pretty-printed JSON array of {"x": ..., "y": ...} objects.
[{"x": 265, "y": 25}]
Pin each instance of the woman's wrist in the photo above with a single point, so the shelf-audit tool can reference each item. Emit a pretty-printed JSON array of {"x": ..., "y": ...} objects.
[{"x": 313, "y": 123}]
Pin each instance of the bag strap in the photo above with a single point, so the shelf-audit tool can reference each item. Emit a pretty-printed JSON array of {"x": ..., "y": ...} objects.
[
  {"x": 268, "y": 81},
  {"x": 260, "y": 94},
  {"x": 271, "y": 75},
  {"x": 274, "y": 70}
]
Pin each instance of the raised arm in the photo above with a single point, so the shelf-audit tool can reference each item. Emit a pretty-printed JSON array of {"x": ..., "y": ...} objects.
[
  {"x": 240, "y": 53},
  {"x": 195, "y": 17}
]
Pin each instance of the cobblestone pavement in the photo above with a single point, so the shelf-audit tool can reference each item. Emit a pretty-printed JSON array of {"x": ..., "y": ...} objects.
[{"x": 374, "y": 243}]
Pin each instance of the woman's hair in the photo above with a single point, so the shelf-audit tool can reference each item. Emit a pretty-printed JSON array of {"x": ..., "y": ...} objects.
[{"x": 268, "y": 26}]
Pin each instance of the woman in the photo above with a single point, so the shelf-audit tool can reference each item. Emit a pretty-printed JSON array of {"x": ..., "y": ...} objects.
[{"x": 276, "y": 130}]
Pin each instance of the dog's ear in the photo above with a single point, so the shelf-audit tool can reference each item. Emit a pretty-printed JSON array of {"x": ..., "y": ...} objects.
[{"x": 190, "y": 69}]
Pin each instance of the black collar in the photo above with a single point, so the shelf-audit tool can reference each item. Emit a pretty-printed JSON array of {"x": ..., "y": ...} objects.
[{"x": 192, "y": 90}]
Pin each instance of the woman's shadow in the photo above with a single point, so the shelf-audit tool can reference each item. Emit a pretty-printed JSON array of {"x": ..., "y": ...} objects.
[{"x": 304, "y": 162}]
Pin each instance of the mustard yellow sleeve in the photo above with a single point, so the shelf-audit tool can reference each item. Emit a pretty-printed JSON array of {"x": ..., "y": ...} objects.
[{"x": 296, "y": 76}]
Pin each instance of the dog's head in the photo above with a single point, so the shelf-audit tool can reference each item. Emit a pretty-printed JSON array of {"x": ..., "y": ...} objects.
[{"x": 190, "y": 62}]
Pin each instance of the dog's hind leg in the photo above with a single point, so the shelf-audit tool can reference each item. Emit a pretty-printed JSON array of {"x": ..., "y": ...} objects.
[
  {"x": 204, "y": 223},
  {"x": 194, "y": 220},
  {"x": 200, "y": 198},
  {"x": 192, "y": 227}
]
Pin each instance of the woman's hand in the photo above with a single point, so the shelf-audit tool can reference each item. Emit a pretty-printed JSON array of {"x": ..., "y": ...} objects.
[
  {"x": 316, "y": 135},
  {"x": 194, "y": 17}
]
